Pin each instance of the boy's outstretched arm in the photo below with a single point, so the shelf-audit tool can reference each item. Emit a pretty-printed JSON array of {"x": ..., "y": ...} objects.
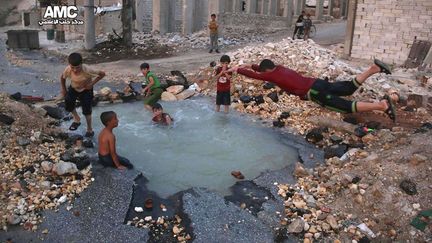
[
  {"x": 233, "y": 69},
  {"x": 248, "y": 66},
  {"x": 113, "y": 153},
  {"x": 254, "y": 73}
]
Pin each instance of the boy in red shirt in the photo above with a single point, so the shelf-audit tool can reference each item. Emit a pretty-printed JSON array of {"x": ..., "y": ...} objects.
[{"x": 223, "y": 96}]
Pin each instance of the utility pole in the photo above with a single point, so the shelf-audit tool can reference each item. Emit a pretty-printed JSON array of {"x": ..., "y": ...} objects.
[
  {"x": 127, "y": 22},
  {"x": 352, "y": 8},
  {"x": 89, "y": 21}
]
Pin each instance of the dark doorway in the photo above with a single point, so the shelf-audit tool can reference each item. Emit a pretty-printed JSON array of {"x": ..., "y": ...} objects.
[{"x": 26, "y": 19}]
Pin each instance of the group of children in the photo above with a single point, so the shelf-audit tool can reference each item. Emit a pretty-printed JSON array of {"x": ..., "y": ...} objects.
[
  {"x": 82, "y": 79},
  {"x": 321, "y": 91}
]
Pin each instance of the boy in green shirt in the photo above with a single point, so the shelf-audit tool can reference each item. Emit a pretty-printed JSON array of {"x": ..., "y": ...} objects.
[{"x": 153, "y": 91}]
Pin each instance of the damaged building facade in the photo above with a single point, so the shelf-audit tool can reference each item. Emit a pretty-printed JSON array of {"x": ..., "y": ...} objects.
[
  {"x": 392, "y": 30},
  {"x": 188, "y": 16}
]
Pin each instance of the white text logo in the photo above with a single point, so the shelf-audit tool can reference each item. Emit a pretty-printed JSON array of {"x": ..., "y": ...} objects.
[{"x": 64, "y": 15}]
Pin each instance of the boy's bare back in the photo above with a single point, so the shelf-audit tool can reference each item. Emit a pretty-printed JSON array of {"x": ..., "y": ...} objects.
[{"x": 106, "y": 137}]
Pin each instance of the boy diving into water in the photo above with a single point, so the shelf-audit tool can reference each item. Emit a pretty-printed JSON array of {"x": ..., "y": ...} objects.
[{"x": 318, "y": 90}]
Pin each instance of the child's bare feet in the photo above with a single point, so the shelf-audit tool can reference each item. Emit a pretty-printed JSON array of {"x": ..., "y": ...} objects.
[
  {"x": 375, "y": 69},
  {"x": 384, "y": 68}
]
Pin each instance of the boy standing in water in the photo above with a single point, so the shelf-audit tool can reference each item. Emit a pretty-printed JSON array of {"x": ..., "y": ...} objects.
[
  {"x": 223, "y": 95},
  {"x": 107, "y": 143},
  {"x": 153, "y": 90},
  {"x": 213, "y": 27},
  {"x": 160, "y": 117},
  {"x": 81, "y": 88}
]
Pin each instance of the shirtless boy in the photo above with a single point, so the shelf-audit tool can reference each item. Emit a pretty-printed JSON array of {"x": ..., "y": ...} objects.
[
  {"x": 107, "y": 143},
  {"x": 82, "y": 81}
]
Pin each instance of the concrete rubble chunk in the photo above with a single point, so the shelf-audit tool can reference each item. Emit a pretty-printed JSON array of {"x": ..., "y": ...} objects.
[
  {"x": 175, "y": 89},
  {"x": 167, "y": 96},
  {"x": 185, "y": 94},
  {"x": 64, "y": 168},
  {"x": 296, "y": 226}
]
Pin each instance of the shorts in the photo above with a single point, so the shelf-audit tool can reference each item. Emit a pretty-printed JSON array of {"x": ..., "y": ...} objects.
[
  {"x": 327, "y": 95},
  {"x": 85, "y": 97},
  {"x": 154, "y": 97},
  {"x": 107, "y": 161},
  {"x": 223, "y": 98}
]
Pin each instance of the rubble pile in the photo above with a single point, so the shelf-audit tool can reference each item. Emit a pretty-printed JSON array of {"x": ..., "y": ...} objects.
[
  {"x": 162, "y": 226},
  {"x": 369, "y": 193},
  {"x": 309, "y": 59},
  {"x": 196, "y": 40},
  {"x": 368, "y": 187},
  {"x": 36, "y": 174},
  {"x": 200, "y": 39},
  {"x": 172, "y": 93},
  {"x": 16, "y": 60}
]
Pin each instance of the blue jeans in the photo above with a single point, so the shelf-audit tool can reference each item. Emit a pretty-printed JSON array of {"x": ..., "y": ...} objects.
[{"x": 214, "y": 41}]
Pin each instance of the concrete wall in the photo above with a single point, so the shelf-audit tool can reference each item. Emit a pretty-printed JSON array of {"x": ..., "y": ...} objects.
[
  {"x": 253, "y": 21},
  {"x": 109, "y": 21},
  {"x": 195, "y": 15},
  {"x": 199, "y": 17},
  {"x": 34, "y": 16},
  {"x": 144, "y": 15},
  {"x": 103, "y": 3},
  {"x": 386, "y": 28},
  {"x": 103, "y": 24},
  {"x": 178, "y": 16}
]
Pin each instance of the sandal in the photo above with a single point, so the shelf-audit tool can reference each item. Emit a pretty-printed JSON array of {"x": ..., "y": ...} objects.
[
  {"x": 89, "y": 134},
  {"x": 391, "y": 111},
  {"x": 384, "y": 67},
  {"x": 74, "y": 126},
  {"x": 237, "y": 175}
]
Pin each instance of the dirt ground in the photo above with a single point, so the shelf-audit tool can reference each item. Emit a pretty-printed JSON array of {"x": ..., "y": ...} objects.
[{"x": 110, "y": 51}]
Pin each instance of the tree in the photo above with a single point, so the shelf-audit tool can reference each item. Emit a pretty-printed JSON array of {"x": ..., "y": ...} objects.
[{"x": 126, "y": 17}]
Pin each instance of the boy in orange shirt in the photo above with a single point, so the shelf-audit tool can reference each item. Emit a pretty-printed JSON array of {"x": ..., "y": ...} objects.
[{"x": 213, "y": 27}]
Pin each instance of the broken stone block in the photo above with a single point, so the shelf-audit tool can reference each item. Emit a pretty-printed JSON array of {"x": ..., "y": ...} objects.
[
  {"x": 415, "y": 100},
  {"x": 185, "y": 94},
  {"x": 6, "y": 119},
  {"x": 175, "y": 89},
  {"x": 167, "y": 96}
]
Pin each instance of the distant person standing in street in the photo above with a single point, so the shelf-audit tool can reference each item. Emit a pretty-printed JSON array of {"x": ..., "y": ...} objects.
[
  {"x": 299, "y": 24},
  {"x": 213, "y": 27},
  {"x": 307, "y": 24}
]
